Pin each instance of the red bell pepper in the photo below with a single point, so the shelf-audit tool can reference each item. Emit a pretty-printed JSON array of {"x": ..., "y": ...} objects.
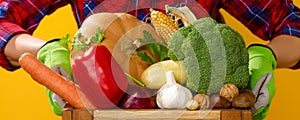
[{"x": 100, "y": 77}]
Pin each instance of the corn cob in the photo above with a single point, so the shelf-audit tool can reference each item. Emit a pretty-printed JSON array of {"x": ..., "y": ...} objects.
[
  {"x": 163, "y": 24},
  {"x": 181, "y": 13}
]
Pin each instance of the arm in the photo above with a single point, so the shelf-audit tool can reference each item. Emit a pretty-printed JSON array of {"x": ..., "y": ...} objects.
[
  {"x": 286, "y": 49},
  {"x": 20, "y": 44},
  {"x": 53, "y": 55},
  {"x": 18, "y": 20},
  {"x": 275, "y": 21}
]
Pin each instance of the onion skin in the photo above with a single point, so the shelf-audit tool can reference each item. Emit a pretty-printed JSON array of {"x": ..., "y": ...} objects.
[{"x": 138, "y": 98}]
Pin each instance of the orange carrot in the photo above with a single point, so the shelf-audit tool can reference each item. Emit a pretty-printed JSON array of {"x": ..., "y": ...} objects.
[{"x": 60, "y": 85}]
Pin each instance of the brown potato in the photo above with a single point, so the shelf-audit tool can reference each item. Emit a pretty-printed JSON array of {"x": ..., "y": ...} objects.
[
  {"x": 218, "y": 102},
  {"x": 245, "y": 99}
]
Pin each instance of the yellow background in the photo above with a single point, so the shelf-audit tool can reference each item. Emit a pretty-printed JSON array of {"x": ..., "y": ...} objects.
[{"x": 21, "y": 98}]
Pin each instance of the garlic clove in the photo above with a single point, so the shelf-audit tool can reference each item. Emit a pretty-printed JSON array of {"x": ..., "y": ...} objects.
[{"x": 192, "y": 105}]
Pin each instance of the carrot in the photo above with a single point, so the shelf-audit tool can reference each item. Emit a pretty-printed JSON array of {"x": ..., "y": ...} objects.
[{"x": 60, "y": 85}]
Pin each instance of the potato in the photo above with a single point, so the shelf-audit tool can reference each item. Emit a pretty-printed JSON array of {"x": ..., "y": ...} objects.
[
  {"x": 154, "y": 76},
  {"x": 245, "y": 99},
  {"x": 218, "y": 102}
]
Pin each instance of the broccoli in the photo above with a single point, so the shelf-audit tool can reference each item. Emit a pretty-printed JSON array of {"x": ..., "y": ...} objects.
[{"x": 213, "y": 54}]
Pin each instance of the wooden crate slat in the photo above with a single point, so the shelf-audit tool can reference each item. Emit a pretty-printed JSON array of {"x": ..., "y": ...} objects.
[
  {"x": 157, "y": 114},
  {"x": 67, "y": 112},
  {"x": 201, "y": 114},
  {"x": 247, "y": 115},
  {"x": 231, "y": 115},
  {"x": 82, "y": 114},
  {"x": 66, "y": 115}
]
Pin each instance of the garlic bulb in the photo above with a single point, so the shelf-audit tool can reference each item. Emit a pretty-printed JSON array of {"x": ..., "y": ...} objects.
[{"x": 172, "y": 94}]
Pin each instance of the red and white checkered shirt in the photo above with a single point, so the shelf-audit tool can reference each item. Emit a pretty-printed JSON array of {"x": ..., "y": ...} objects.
[{"x": 265, "y": 18}]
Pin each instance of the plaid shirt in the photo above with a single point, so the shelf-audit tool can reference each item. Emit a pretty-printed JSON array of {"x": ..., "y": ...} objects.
[{"x": 265, "y": 18}]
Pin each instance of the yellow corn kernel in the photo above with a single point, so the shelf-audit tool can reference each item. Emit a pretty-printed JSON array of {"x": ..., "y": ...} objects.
[{"x": 163, "y": 24}]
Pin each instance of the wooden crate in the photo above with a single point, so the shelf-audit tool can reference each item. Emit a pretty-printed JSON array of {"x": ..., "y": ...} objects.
[{"x": 156, "y": 114}]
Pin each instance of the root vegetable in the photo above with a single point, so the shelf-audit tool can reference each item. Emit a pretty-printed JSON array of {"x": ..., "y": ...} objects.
[
  {"x": 154, "y": 77},
  {"x": 64, "y": 88},
  {"x": 138, "y": 97},
  {"x": 245, "y": 99},
  {"x": 249, "y": 92},
  {"x": 218, "y": 102}
]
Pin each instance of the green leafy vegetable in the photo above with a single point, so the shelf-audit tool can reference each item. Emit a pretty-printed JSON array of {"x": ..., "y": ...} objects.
[
  {"x": 144, "y": 56},
  {"x": 82, "y": 43},
  {"x": 98, "y": 36},
  {"x": 213, "y": 54},
  {"x": 65, "y": 40},
  {"x": 157, "y": 49}
]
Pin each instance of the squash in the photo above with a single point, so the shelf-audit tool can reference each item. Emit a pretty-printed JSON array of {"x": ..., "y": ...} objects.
[{"x": 120, "y": 30}]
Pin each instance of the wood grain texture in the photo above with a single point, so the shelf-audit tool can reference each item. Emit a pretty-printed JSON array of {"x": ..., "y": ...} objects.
[
  {"x": 247, "y": 115},
  {"x": 82, "y": 114},
  {"x": 67, "y": 112},
  {"x": 158, "y": 114},
  {"x": 66, "y": 115},
  {"x": 231, "y": 115}
]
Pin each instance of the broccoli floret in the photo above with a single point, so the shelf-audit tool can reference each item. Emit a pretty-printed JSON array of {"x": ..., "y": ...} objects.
[
  {"x": 213, "y": 54},
  {"x": 237, "y": 56},
  {"x": 177, "y": 40}
]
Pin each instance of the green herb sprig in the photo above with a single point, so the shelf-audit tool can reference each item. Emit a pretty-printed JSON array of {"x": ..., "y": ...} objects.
[{"x": 157, "y": 49}]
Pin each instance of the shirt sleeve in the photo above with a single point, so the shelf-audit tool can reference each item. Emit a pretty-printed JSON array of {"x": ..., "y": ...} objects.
[
  {"x": 266, "y": 18},
  {"x": 22, "y": 16}
]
